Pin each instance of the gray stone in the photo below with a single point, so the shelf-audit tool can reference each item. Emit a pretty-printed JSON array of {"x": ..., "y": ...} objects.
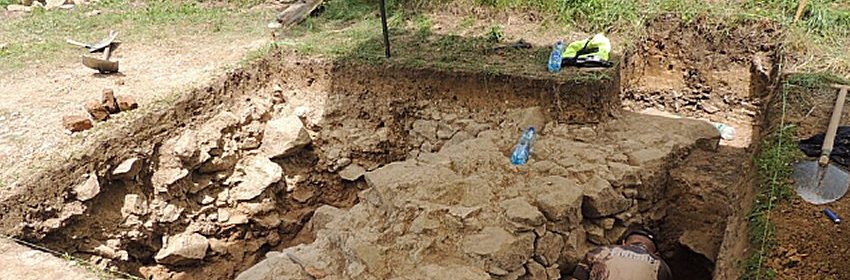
[
  {"x": 502, "y": 248},
  {"x": 426, "y": 129},
  {"x": 645, "y": 156},
  {"x": 601, "y": 200},
  {"x": 88, "y": 189},
  {"x": 595, "y": 234},
  {"x": 548, "y": 247},
  {"x": 536, "y": 271},
  {"x": 134, "y": 204},
  {"x": 182, "y": 248},
  {"x": 352, "y": 172},
  {"x": 445, "y": 131},
  {"x": 283, "y": 136},
  {"x": 520, "y": 211},
  {"x": 127, "y": 169},
  {"x": 559, "y": 199},
  {"x": 254, "y": 174}
]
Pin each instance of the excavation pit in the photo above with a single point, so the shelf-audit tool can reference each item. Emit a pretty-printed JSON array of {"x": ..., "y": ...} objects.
[{"x": 301, "y": 166}]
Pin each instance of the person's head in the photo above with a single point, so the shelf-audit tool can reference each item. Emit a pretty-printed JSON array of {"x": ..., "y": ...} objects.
[{"x": 642, "y": 237}]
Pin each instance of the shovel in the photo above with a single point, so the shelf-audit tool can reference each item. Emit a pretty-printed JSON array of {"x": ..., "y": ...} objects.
[{"x": 822, "y": 182}]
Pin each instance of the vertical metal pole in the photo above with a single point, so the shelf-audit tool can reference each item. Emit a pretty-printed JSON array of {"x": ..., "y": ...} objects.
[{"x": 384, "y": 26}]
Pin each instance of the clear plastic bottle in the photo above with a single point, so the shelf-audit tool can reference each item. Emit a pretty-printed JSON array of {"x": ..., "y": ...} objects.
[
  {"x": 556, "y": 57},
  {"x": 726, "y": 132},
  {"x": 523, "y": 148}
]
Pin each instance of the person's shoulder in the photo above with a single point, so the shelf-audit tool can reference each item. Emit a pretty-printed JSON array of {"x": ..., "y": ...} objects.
[{"x": 664, "y": 272}]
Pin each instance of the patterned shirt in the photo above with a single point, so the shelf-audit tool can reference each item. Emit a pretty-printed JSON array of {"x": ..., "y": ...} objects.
[{"x": 631, "y": 262}]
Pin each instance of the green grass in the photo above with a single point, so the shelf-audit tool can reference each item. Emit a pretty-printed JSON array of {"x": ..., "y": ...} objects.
[
  {"x": 774, "y": 165},
  {"x": 4, "y": 3},
  {"x": 774, "y": 169},
  {"x": 40, "y": 36},
  {"x": 350, "y": 34}
]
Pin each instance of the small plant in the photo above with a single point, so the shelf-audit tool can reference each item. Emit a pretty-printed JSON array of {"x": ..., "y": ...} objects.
[
  {"x": 496, "y": 34},
  {"x": 423, "y": 26}
]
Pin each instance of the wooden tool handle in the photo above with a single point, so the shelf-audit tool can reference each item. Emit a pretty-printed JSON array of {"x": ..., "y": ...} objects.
[{"x": 829, "y": 141}]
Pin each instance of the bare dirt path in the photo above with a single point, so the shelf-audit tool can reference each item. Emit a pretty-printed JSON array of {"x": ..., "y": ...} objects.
[{"x": 34, "y": 100}]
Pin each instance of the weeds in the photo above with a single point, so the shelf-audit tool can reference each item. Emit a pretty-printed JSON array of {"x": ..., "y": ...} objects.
[
  {"x": 496, "y": 34},
  {"x": 774, "y": 168}
]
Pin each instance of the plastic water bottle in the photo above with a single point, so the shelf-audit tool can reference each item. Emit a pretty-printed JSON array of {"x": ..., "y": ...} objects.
[
  {"x": 522, "y": 150},
  {"x": 726, "y": 132},
  {"x": 556, "y": 58}
]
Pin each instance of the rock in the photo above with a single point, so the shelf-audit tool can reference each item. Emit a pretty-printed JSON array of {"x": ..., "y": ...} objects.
[
  {"x": 126, "y": 103},
  {"x": 107, "y": 99},
  {"x": 163, "y": 179},
  {"x": 502, "y": 248},
  {"x": 274, "y": 25},
  {"x": 219, "y": 163},
  {"x": 606, "y": 223},
  {"x": 218, "y": 245},
  {"x": 642, "y": 157},
  {"x": 182, "y": 248},
  {"x": 601, "y": 200},
  {"x": 548, "y": 247},
  {"x": 127, "y": 169},
  {"x": 96, "y": 110},
  {"x": 302, "y": 194},
  {"x": 352, "y": 172},
  {"x": 134, "y": 204},
  {"x": 323, "y": 216},
  {"x": 52, "y": 4},
  {"x": 88, "y": 189},
  {"x": 426, "y": 129},
  {"x": 595, "y": 234},
  {"x": 520, "y": 211},
  {"x": 708, "y": 108},
  {"x": 700, "y": 242},
  {"x": 186, "y": 147},
  {"x": 254, "y": 174},
  {"x": 18, "y": 8},
  {"x": 624, "y": 174},
  {"x": 560, "y": 199},
  {"x": 536, "y": 271},
  {"x": 452, "y": 271},
  {"x": 170, "y": 213},
  {"x": 445, "y": 131},
  {"x": 458, "y": 138},
  {"x": 76, "y": 123},
  {"x": 553, "y": 272},
  {"x": 283, "y": 136}
]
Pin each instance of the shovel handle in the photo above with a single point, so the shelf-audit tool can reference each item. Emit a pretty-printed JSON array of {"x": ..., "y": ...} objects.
[{"x": 833, "y": 127}]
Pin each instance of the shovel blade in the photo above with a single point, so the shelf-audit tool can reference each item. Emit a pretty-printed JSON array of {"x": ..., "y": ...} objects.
[{"x": 820, "y": 185}]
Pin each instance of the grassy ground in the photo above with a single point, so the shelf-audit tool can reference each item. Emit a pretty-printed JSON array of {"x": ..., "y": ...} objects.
[
  {"x": 39, "y": 37},
  {"x": 349, "y": 29}
]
